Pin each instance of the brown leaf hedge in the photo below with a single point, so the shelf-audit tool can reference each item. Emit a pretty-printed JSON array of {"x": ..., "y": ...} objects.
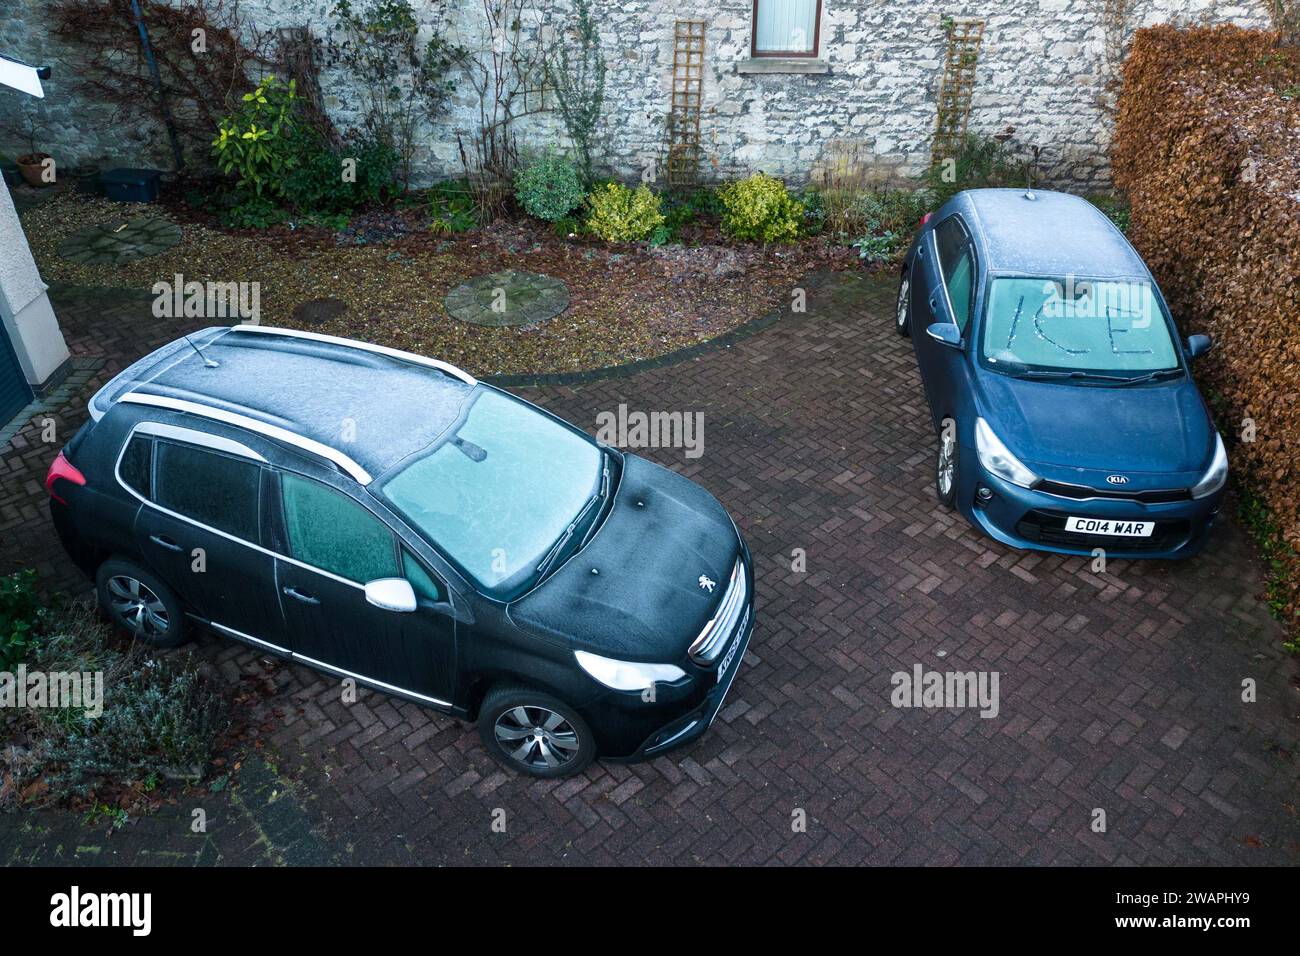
[{"x": 1207, "y": 151}]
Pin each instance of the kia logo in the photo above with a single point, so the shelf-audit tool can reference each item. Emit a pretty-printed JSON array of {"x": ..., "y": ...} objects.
[{"x": 1117, "y": 479}]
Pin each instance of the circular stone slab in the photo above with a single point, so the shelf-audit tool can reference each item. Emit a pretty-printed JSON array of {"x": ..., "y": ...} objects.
[
  {"x": 317, "y": 311},
  {"x": 120, "y": 240},
  {"x": 508, "y": 298}
]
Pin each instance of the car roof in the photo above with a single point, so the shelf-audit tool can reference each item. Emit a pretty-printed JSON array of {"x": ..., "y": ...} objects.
[
  {"x": 374, "y": 406},
  {"x": 1050, "y": 234}
]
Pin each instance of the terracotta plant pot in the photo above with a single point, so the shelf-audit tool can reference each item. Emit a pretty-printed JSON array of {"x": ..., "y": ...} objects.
[{"x": 32, "y": 170}]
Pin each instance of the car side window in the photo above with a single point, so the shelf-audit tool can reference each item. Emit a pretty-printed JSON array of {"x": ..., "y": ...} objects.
[
  {"x": 217, "y": 490},
  {"x": 961, "y": 288},
  {"x": 957, "y": 263},
  {"x": 136, "y": 467},
  {"x": 421, "y": 580},
  {"x": 330, "y": 531}
]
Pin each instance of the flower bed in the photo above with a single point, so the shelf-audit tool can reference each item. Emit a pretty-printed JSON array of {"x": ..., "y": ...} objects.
[{"x": 628, "y": 301}]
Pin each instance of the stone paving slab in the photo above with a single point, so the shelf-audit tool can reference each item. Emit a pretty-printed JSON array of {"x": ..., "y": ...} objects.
[{"x": 1120, "y": 691}]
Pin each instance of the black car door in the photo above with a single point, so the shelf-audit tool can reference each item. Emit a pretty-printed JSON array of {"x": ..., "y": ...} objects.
[
  {"x": 334, "y": 545},
  {"x": 199, "y": 528}
]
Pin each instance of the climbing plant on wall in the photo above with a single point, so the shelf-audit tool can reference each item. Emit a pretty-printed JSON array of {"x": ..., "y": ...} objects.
[
  {"x": 579, "y": 80},
  {"x": 509, "y": 71},
  {"x": 403, "y": 80},
  {"x": 208, "y": 57}
]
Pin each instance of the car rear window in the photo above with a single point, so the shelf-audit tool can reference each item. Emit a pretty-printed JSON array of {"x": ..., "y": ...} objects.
[
  {"x": 137, "y": 465},
  {"x": 205, "y": 486}
]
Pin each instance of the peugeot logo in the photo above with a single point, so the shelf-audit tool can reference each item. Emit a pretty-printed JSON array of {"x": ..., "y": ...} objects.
[
  {"x": 1117, "y": 479},
  {"x": 707, "y": 583}
]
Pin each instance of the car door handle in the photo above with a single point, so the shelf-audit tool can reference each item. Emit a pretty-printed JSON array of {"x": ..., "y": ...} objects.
[
  {"x": 300, "y": 596},
  {"x": 164, "y": 542}
]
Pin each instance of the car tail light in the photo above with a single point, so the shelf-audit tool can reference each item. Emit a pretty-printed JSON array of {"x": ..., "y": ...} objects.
[
  {"x": 926, "y": 218},
  {"x": 62, "y": 468}
]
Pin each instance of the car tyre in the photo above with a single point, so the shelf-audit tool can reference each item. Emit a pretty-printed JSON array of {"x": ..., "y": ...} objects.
[
  {"x": 946, "y": 464},
  {"x": 142, "y": 605},
  {"x": 903, "y": 308},
  {"x": 534, "y": 733}
]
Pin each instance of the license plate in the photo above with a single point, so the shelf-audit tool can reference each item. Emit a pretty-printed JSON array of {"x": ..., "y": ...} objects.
[
  {"x": 1111, "y": 526},
  {"x": 731, "y": 653}
]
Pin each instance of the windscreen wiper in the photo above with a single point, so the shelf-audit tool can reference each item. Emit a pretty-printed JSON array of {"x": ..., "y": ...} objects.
[
  {"x": 563, "y": 539},
  {"x": 1150, "y": 376},
  {"x": 1076, "y": 374},
  {"x": 601, "y": 495}
]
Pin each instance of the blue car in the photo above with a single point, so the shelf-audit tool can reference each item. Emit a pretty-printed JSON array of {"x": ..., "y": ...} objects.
[{"x": 1067, "y": 417}]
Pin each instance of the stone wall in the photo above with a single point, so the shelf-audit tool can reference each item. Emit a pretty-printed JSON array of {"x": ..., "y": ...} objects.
[{"x": 1043, "y": 70}]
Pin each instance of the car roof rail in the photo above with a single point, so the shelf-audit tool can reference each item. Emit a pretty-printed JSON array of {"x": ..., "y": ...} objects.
[
  {"x": 414, "y": 359},
  {"x": 275, "y": 432}
]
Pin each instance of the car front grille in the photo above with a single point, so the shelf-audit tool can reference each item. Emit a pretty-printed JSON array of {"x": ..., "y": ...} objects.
[
  {"x": 1046, "y": 527},
  {"x": 1083, "y": 493},
  {"x": 715, "y": 635}
]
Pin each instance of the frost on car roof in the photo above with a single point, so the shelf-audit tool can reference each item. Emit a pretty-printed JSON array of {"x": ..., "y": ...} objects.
[
  {"x": 1053, "y": 234},
  {"x": 376, "y": 408}
]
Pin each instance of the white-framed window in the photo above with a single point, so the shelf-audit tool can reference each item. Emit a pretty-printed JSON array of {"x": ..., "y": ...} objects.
[{"x": 786, "y": 28}]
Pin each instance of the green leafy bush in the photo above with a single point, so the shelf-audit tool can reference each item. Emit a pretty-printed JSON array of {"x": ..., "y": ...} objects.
[
  {"x": 160, "y": 717},
  {"x": 453, "y": 207},
  {"x": 885, "y": 221},
  {"x": 252, "y": 212},
  {"x": 20, "y": 612},
  {"x": 549, "y": 188},
  {"x": 327, "y": 181},
  {"x": 682, "y": 209},
  {"x": 256, "y": 143},
  {"x": 163, "y": 718},
  {"x": 616, "y": 213},
  {"x": 981, "y": 163},
  {"x": 814, "y": 211},
  {"x": 760, "y": 209},
  {"x": 884, "y": 247}
]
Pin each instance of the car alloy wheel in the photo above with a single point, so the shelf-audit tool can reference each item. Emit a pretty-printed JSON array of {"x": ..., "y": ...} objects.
[
  {"x": 537, "y": 737},
  {"x": 947, "y": 464},
  {"x": 137, "y": 607},
  {"x": 901, "y": 310}
]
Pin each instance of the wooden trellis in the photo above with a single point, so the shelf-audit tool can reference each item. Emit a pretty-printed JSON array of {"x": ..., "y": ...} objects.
[
  {"x": 688, "y": 98},
  {"x": 956, "y": 87}
]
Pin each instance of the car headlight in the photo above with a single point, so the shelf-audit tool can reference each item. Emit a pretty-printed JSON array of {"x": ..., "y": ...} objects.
[
  {"x": 1216, "y": 474},
  {"x": 627, "y": 675},
  {"x": 997, "y": 460}
]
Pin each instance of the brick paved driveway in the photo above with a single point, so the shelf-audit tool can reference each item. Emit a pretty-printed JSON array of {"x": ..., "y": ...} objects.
[{"x": 1119, "y": 691}]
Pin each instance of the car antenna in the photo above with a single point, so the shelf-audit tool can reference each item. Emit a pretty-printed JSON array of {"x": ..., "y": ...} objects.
[{"x": 207, "y": 362}]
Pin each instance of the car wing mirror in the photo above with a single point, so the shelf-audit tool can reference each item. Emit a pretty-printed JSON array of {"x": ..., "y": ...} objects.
[
  {"x": 392, "y": 594},
  {"x": 1198, "y": 345},
  {"x": 945, "y": 333}
]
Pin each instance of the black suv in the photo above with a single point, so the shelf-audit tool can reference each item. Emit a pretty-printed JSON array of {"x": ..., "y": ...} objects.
[{"x": 385, "y": 517}]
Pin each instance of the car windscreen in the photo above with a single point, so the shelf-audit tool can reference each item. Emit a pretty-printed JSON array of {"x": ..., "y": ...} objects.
[
  {"x": 1075, "y": 325},
  {"x": 497, "y": 492}
]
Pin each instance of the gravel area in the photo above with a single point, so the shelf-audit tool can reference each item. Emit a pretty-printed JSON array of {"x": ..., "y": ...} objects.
[{"x": 628, "y": 303}]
